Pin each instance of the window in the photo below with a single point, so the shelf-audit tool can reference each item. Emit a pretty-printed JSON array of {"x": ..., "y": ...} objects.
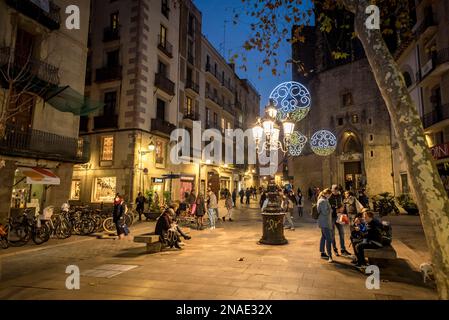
[
  {"x": 207, "y": 116},
  {"x": 215, "y": 119},
  {"x": 404, "y": 183},
  {"x": 107, "y": 148},
  {"x": 223, "y": 124},
  {"x": 105, "y": 189},
  {"x": 207, "y": 61},
  {"x": 165, "y": 9},
  {"x": 371, "y": 138},
  {"x": 370, "y": 121},
  {"x": 340, "y": 121},
  {"x": 355, "y": 118},
  {"x": 408, "y": 79},
  {"x": 372, "y": 154},
  {"x": 114, "y": 21},
  {"x": 113, "y": 58},
  {"x": 162, "y": 68},
  {"x": 75, "y": 190},
  {"x": 110, "y": 103},
  {"x": 160, "y": 110},
  {"x": 189, "y": 74},
  {"x": 190, "y": 51},
  {"x": 347, "y": 99},
  {"x": 163, "y": 36},
  {"x": 191, "y": 26},
  {"x": 189, "y": 105},
  {"x": 229, "y": 125},
  {"x": 160, "y": 153}
]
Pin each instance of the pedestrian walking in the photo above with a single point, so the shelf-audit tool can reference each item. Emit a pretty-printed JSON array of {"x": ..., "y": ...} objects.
[
  {"x": 336, "y": 201},
  {"x": 117, "y": 214},
  {"x": 263, "y": 197},
  {"x": 242, "y": 195},
  {"x": 140, "y": 204},
  {"x": 212, "y": 208},
  {"x": 229, "y": 205},
  {"x": 234, "y": 197},
  {"x": 200, "y": 211},
  {"x": 299, "y": 202},
  {"x": 248, "y": 195},
  {"x": 325, "y": 223},
  {"x": 310, "y": 194},
  {"x": 287, "y": 206}
]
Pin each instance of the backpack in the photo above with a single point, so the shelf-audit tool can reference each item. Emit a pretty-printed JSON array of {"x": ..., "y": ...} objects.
[
  {"x": 386, "y": 233},
  {"x": 315, "y": 213}
]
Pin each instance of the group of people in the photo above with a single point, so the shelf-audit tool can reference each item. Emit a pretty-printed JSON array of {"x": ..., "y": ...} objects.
[{"x": 334, "y": 211}]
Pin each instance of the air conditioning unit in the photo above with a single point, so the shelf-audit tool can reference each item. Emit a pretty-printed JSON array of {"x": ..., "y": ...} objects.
[{"x": 427, "y": 68}]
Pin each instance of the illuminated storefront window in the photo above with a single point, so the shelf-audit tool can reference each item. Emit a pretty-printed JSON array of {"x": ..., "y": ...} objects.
[
  {"x": 160, "y": 153},
  {"x": 105, "y": 189},
  {"x": 107, "y": 148},
  {"x": 76, "y": 190}
]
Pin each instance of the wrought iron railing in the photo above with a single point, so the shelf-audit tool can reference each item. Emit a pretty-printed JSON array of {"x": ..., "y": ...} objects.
[
  {"x": 50, "y": 19},
  {"x": 37, "y": 144},
  {"x": 111, "y": 34},
  {"x": 108, "y": 73},
  {"x": 190, "y": 84},
  {"x": 435, "y": 116},
  {"x": 213, "y": 97},
  {"x": 165, "y": 46},
  {"x": 28, "y": 65},
  {"x": 164, "y": 83},
  {"x": 106, "y": 122},
  {"x": 192, "y": 115},
  {"x": 162, "y": 126}
]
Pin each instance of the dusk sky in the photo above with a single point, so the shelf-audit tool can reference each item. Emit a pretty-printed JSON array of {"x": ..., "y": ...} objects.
[{"x": 215, "y": 13}]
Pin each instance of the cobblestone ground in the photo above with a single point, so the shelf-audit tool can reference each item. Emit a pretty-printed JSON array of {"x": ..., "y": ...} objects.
[{"x": 225, "y": 263}]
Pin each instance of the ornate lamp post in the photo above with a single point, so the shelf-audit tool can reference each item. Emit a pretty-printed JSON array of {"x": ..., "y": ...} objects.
[{"x": 273, "y": 216}]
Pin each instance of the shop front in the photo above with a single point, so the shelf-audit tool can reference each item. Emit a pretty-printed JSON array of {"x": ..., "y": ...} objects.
[
  {"x": 157, "y": 185},
  {"x": 187, "y": 184}
]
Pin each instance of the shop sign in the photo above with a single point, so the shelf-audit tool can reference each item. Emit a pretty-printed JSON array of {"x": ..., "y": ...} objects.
[
  {"x": 157, "y": 180},
  {"x": 440, "y": 151},
  {"x": 187, "y": 178}
]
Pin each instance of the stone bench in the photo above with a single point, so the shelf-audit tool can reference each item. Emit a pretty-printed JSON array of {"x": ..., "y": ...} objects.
[
  {"x": 384, "y": 253},
  {"x": 153, "y": 245}
]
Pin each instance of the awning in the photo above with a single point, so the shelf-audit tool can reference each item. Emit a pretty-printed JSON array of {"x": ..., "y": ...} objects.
[
  {"x": 66, "y": 99},
  {"x": 39, "y": 176}
]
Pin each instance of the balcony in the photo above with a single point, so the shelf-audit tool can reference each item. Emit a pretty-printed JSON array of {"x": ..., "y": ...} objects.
[
  {"x": 214, "y": 98},
  {"x": 106, "y": 74},
  {"x": 436, "y": 116},
  {"x": 111, "y": 34},
  {"x": 165, "y": 84},
  {"x": 191, "y": 115},
  {"x": 227, "y": 84},
  {"x": 210, "y": 70},
  {"x": 162, "y": 127},
  {"x": 31, "y": 70},
  {"x": 213, "y": 126},
  {"x": 434, "y": 68},
  {"x": 84, "y": 124},
  {"x": 229, "y": 108},
  {"x": 49, "y": 17},
  {"x": 165, "y": 46},
  {"x": 43, "y": 145},
  {"x": 192, "y": 86},
  {"x": 106, "y": 122}
]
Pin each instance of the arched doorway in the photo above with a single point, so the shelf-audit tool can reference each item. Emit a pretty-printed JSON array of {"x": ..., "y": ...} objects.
[{"x": 352, "y": 151}]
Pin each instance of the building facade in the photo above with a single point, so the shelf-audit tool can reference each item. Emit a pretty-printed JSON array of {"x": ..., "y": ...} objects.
[
  {"x": 152, "y": 83},
  {"x": 40, "y": 144}
]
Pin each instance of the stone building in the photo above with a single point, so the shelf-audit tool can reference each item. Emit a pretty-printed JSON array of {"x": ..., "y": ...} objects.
[
  {"x": 347, "y": 102},
  {"x": 41, "y": 144},
  {"x": 148, "y": 64}
]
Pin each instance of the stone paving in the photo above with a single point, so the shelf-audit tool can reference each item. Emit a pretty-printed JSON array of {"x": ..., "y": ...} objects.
[{"x": 225, "y": 263}]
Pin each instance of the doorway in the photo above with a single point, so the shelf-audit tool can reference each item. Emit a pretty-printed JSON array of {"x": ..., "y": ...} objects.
[
  {"x": 213, "y": 182},
  {"x": 353, "y": 174}
]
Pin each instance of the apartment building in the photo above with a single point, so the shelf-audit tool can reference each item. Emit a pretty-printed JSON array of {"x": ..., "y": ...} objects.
[
  {"x": 148, "y": 64},
  {"x": 133, "y": 68},
  {"x": 40, "y": 143}
]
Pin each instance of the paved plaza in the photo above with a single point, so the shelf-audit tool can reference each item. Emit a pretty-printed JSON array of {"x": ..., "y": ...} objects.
[{"x": 225, "y": 263}]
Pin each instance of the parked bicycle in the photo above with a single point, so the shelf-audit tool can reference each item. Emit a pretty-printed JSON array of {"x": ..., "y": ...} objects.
[
  {"x": 129, "y": 217},
  {"x": 26, "y": 227}
]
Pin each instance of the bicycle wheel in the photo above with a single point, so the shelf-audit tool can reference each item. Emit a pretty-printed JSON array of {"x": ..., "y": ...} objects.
[
  {"x": 109, "y": 225},
  {"x": 86, "y": 226},
  {"x": 63, "y": 230},
  {"x": 98, "y": 222},
  {"x": 19, "y": 235},
  {"x": 41, "y": 235},
  {"x": 128, "y": 218}
]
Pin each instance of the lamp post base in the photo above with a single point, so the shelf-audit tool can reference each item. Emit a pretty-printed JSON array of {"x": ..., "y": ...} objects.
[{"x": 273, "y": 229}]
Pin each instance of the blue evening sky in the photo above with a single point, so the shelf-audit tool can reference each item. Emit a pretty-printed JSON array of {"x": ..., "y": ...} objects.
[{"x": 217, "y": 13}]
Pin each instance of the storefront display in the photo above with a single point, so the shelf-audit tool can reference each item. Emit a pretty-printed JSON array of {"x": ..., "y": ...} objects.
[
  {"x": 75, "y": 191},
  {"x": 105, "y": 189}
]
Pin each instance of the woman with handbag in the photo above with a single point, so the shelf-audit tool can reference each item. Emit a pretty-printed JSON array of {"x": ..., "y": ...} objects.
[{"x": 200, "y": 210}]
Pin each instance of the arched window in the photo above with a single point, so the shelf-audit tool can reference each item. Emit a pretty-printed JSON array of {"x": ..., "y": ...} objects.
[
  {"x": 352, "y": 145},
  {"x": 408, "y": 79}
]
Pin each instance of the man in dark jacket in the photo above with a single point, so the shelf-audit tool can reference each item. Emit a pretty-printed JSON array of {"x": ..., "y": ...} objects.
[
  {"x": 163, "y": 225},
  {"x": 234, "y": 197},
  {"x": 372, "y": 239},
  {"x": 248, "y": 195},
  {"x": 336, "y": 201},
  {"x": 140, "y": 205},
  {"x": 117, "y": 214},
  {"x": 242, "y": 195}
]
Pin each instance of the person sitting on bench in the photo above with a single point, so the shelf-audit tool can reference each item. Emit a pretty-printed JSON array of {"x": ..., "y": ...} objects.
[
  {"x": 371, "y": 239},
  {"x": 172, "y": 209},
  {"x": 165, "y": 232}
]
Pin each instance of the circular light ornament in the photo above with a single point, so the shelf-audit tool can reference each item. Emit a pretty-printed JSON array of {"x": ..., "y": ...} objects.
[
  {"x": 323, "y": 143},
  {"x": 297, "y": 143},
  {"x": 291, "y": 99}
]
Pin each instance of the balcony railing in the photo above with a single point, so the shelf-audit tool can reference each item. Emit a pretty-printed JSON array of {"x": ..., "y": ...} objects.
[
  {"x": 227, "y": 85},
  {"x": 43, "y": 145},
  {"x": 108, "y": 74},
  {"x": 192, "y": 85},
  {"x": 213, "y": 126},
  {"x": 212, "y": 72},
  {"x": 164, "y": 83},
  {"x": 162, "y": 126},
  {"x": 84, "y": 123},
  {"x": 111, "y": 34},
  {"x": 213, "y": 97},
  {"x": 192, "y": 115},
  {"x": 437, "y": 115},
  {"x": 49, "y": 17},
  {"x": 28, "y": 67},
  {"x": 106, "y": 122},
  {"x": 165, "y": 46},
  {"x": 229, "y": 108}
]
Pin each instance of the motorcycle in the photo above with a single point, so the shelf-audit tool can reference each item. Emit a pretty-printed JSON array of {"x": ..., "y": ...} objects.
[{"x": 384, "y": 204}]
